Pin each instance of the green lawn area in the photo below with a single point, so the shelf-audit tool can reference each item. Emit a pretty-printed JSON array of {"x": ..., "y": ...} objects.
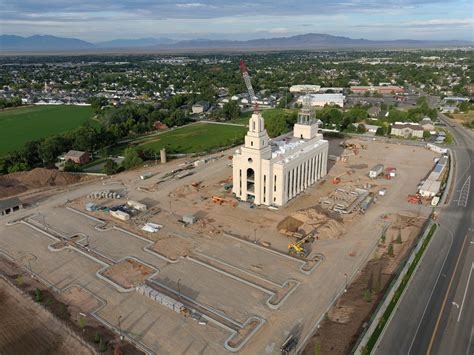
[
  {"x": 23, "y": 124},
  {"x": 200, "y": 137},
  {"x": 268, "y": 114}
]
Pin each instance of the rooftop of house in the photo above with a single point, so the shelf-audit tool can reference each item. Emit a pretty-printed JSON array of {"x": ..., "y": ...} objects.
[
  {"x": 75, "y": 154},
  {"x": 411, "y": 125}
]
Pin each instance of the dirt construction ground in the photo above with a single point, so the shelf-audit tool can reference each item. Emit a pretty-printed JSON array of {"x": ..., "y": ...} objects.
[
  {"x": 27, "y": 329},
  {"x": 232, "y": 265}
]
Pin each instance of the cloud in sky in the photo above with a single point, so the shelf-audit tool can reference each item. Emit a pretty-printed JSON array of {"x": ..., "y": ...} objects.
[{"x": 97, "y": 20}]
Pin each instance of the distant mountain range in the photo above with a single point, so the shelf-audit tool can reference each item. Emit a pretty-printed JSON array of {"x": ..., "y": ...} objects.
[{"x": 39, "y": 43}]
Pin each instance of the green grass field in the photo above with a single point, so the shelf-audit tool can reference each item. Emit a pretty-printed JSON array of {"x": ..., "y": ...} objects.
[
  {"x": 268, "y": 114},
  {"x": 200, "y": 137},
  {"x": 23, "y": 124}
]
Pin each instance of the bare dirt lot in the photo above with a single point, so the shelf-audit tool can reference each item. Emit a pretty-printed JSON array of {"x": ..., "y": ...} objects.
[
  {"x": 344, "y": 322},
  {"x": 128, "y": 273},
  {"x": 27, "y": 329}
]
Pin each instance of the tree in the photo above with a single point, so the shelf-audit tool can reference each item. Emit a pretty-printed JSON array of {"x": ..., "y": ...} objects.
[
  {"x": 131, "y": 159},
  {"x": 390, "y": 249},
  {"x": 381, "y": 131},
  {"x": 18, "y": 167},
  {"x": 361, "y": 128},
  {"x": 102, "y": 345},
  {"x": 97, "y": 103},
  {"x": 276, "y": 126},
  {"x": 367, "y": 295},
  {"x": 421, "y": 100},
  {"x": 72, "y": 167},
  {"x": 399, "y": 238},
  {"x": 110, "y": 167},
  {"x": 231, "y": 110},
  {"x": 426, "y": 135},
  {"x": 38, "y": 295}
]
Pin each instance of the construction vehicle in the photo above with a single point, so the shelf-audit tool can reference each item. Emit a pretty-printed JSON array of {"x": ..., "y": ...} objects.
[
  {"x": 298, "y": 248},
  {"x": 248, "y": 84},
  {"x": 414, "y": 198},
  {"x": 289, "y": 344},
  {"x": 221, "y": 200},
  {"x": 336, "y": 180}
]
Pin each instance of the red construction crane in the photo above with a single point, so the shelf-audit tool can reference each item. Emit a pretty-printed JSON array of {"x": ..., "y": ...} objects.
[{"x": 248, "y": 83}]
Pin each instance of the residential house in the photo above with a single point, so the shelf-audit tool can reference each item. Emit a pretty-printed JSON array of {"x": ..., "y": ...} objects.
[
  {"x": 160, "y": 125},
  {"x": 200, "y": 107},
  {"x": 77, "y": 156},
  {"x": 407, "y": 130},
  {"x": 427, "y": 124},
  {"x": 374, "y": 111}
]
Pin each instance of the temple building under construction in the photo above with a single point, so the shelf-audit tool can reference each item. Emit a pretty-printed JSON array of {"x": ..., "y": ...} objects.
[{"x": 272, "y": 172}]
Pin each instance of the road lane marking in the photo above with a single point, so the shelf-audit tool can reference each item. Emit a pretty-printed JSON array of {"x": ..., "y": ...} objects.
[
  {"x": 433, "y": 289},
  {"x": 470, "y": 342},
  {"x": 464, "y": 194},
  {"x": 465, "y": 291},
  {"x": 435, "y": 330}
]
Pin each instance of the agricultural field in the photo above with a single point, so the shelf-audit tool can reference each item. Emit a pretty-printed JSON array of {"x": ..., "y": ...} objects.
[
  {"x": 200, "y": 137},
  {"x": 23, "y": 124}
]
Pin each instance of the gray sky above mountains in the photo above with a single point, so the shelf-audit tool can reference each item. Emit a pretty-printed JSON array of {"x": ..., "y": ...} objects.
[{"x": 98, "y": 20}]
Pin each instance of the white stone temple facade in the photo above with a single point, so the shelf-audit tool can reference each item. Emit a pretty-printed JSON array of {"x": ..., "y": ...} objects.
[{"x": 272, "y": 172}]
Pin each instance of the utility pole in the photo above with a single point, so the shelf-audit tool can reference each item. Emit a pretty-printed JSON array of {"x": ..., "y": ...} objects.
[
  {"x": 179, "y": 289},
  {"x": 120, "y": 327}
]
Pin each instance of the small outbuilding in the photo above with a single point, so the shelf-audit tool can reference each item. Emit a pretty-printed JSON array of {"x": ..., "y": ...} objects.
[
  {"x": 376, "y": 171},
  {"x": 189, "y": 219},
  {"x": 10, "y": 205},
  {"x": 77, "y": 156}
]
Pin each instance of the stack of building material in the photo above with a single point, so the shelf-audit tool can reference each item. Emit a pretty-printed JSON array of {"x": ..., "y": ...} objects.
[
  {"x": 137, "y": 205},
  {"x": 159, "y": 297},
  {"x": 151, "y": 227}
]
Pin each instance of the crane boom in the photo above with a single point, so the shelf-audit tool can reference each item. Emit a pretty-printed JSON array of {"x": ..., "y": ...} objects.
[{"x": 248, "y": 84}]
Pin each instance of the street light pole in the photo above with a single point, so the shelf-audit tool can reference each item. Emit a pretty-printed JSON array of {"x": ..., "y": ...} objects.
[
  {"x": 120, "y": 327},
  {"x": 345, "y": 286},
  {"x": 255, "y": 236},
  {"x": 179, "y": 289}
]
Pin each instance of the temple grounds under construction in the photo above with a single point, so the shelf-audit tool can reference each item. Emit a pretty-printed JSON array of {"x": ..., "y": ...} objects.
[{"x": 211, "y": 274}]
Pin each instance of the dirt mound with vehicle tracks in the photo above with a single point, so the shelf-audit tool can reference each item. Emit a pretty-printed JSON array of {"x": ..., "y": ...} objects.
[{"x": 23, "y": 181}]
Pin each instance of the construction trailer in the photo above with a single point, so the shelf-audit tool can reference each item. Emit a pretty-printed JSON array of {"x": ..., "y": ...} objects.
[
  {"x": 123, "y": 216},
  {"x": 430, "y": 188},
  {"x": 189, "y": 219},
  {"x": 376, "y": 171}
]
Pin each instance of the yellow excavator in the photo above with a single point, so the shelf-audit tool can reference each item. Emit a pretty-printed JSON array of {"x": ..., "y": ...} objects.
[{"x": 298, "y": 248}]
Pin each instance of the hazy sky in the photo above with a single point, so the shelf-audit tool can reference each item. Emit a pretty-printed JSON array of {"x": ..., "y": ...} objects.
[{"x": 97, "y": 20}]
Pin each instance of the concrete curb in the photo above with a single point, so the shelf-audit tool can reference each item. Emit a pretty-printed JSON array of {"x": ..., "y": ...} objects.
[{"x": 246, "y": 339}]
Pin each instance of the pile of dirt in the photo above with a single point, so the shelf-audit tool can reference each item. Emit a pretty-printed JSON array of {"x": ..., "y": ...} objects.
[
  {"x": 305, "y": 221},
  {"x": 128, "y": 273},
  {"x": 17, "y": 183},
  {"x": 182, "y": 191}
]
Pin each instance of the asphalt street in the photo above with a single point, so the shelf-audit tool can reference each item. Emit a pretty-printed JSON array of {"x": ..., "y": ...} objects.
[{"x": 436, "y": 313}]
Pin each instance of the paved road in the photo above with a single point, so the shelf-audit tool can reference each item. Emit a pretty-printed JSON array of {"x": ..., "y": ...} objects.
[{"x": 436, "y": 314}]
